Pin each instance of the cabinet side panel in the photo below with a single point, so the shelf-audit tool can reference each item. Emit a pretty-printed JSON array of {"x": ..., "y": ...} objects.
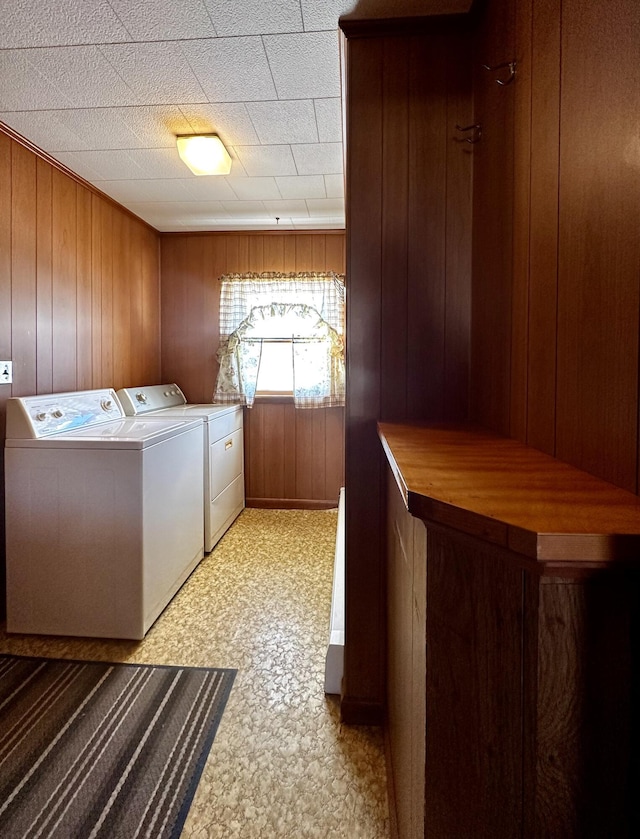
[
  {"x": 584, "y": 713},
  {"x": 474, "y": 691}
]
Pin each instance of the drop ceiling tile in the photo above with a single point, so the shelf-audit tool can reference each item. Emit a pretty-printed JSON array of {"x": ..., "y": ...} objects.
[
  {"x": 246, "y": 209},
  {"x": 208, "y": 188},
  {"x": 302, "y": 186},
  {"x": 164, "y": 19},
  {"x": 169, "y": 209},
  {"x": 85, "y": 75},
  {"x": 326, "y": 207},
  {"x": 45, "y": 129},
  {"x": 256, "y": 189},
  {"x": 304, "y": 66},
  {"x": 230, "y": 121},
  {"x": 158, "y": 163},
  {"x": 254, "y": 17},
  {"x": 109, "y": 165},
  {"x": 33, "y": 23},
  {"x": 318, "y": 158},
  {"x": 334, "y": 185},
  {"x": 231, "y": 69},
  {"x": 329, "y": 118},
  {"x": 153, "y": 126},
  {"x": 284, "y": 208},
  {"x": 324, "y": 15},
  {"x": 78, "y": 164},
  {"x": 293, "y": 121},
  {"x": 23, "y": 87},
  {"x": 134, "y": 191},
  {"x": 266, "y": 161},
  {"x": 100, "y": 128},
  {"x": 155, "y": 72}
]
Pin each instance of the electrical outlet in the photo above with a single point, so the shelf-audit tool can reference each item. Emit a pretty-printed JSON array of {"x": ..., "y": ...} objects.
[{"x": 6, "y": 372}]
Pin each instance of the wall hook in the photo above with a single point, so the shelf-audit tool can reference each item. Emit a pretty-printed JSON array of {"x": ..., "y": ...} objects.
[
  {"x": 512, "y": 71},
  {"x": 477, "y": 132}
]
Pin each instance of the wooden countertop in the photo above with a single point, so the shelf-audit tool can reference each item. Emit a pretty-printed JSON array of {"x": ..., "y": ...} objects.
[{"x": 512, "y": 495}]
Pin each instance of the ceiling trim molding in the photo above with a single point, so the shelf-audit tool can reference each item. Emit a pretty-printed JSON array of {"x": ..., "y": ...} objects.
[{"x": 270, "y": 232}]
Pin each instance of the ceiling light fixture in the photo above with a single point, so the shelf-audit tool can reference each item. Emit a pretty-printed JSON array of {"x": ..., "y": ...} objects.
[{"x": 204, "y": 154}]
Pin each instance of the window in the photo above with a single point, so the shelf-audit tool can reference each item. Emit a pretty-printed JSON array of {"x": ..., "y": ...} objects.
[{"x": 282, "y": 333}]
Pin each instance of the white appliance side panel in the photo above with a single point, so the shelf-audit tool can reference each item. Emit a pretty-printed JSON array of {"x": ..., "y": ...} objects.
[
  {"x": 225, "y": 424},
  {"x": 173, "y": 518},
  {"x": 73, "y": 528},
  {"x": 225, "y": 509},
  {"x": 226, "y": 461}
]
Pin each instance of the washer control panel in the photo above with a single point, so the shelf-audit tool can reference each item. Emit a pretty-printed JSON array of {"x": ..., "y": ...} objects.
[{"x": 54, "y": 413}]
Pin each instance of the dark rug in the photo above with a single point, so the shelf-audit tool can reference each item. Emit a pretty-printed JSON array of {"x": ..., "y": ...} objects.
[{"x": 93, "y": 749}]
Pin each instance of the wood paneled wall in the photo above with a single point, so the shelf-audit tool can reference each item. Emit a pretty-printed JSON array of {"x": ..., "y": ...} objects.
[
  {"x": 79, "y": 286},
  {"x": 408, "y": 300},
  {"x": 291, "y": 456},
  {"x": 556, "y": 256},
  {"x": 79, "y": 282}
]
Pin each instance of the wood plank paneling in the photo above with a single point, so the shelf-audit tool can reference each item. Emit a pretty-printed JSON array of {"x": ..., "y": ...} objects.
[
  {"x": 23, "y": 271},
  {"x": 491, "y": 317},
  {"x": 458, "y": 252},
  {"x": 293, "y": 456},
  {"x": 64, "y": 276},
  {"x": 5, "y": 280},
  {"x": 521, "y": 221},
  {"x": 543, "y": 245},
  {"x": 81, "y": 282},
  {"x": 109, "y": 346},
  {"x": 84, "y": 229},
  {"x": 44, "y": 288},
  {"x": 394, "y": 366},
  {"x": 556, "y": 299},
  {"x": 96, "y": 289},
  {"x": 429, "y": 136},
  {"x": 599, "y": 257}
]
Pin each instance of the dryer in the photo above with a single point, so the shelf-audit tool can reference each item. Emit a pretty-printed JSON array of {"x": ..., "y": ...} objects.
[
  {"x": 223, "y": 449},
  {"x": 103, "y": 514}
]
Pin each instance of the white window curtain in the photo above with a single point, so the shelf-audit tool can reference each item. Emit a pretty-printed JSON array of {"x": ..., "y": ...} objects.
[{"x": 312, "y": 305}]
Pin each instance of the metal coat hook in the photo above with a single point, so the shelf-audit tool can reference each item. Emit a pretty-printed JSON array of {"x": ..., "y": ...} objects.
[
  {"x": 477, "y": 132},
  {"x": 512, "y": 71}
]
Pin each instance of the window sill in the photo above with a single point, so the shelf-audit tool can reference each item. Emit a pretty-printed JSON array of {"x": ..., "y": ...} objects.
[{"x": 271, "y": 398}]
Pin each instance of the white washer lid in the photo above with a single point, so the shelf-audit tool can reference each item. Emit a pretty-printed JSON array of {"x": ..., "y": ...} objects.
[{"x": 131, "y": 433}]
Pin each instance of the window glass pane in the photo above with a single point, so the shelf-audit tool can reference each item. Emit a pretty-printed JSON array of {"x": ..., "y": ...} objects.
[{"x": 276, "y": 367}]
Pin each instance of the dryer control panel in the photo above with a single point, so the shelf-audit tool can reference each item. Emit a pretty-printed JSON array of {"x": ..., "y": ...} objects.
[{"x": 141, "y": 400}]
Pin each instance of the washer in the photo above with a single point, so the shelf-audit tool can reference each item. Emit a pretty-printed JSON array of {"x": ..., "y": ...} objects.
[
  {"x": 223, "y": 446},
  {"x": 103, "y": 514}
]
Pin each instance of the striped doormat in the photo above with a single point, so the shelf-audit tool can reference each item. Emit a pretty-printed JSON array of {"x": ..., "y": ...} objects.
[{"x": 92, "y": 749}]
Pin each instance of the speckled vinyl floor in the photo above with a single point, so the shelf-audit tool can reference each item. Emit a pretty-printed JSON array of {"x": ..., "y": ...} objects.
[{"x": 282, "y": 765}]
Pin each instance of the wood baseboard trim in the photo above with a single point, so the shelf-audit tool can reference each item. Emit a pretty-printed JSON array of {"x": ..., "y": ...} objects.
[
  {"x": 361, "y": 712},
  {"x": 292, "y": 503}
]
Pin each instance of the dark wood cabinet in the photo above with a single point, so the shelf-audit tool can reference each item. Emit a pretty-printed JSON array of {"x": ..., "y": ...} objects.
[{"x": 513, "y": 584}]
